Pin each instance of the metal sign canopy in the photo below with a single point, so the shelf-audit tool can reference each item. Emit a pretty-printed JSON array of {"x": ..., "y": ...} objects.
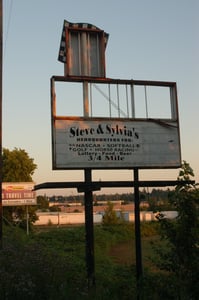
[{"x": 82, "y": 49}]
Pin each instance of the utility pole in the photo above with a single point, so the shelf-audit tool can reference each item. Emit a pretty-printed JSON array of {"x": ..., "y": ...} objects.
[{"x": 1, "y": 77}]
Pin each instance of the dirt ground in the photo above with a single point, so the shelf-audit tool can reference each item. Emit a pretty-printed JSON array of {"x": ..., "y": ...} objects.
[{"x": 123, "y": 253}]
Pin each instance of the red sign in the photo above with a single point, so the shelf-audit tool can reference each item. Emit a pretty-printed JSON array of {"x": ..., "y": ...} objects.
[{"x": 18, "y": 193}]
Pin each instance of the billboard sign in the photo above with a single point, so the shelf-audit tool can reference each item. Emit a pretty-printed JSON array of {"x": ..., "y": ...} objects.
[
  {"x": 102, "y": 143},
  {"x": 18, "y": 193},
  {"x": 135, "y": 125}
]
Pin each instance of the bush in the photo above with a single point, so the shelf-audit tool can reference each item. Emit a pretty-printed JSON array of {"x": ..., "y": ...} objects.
[
  {"x": 180, "y": 256},
  {"x": 110, "y": 216}
]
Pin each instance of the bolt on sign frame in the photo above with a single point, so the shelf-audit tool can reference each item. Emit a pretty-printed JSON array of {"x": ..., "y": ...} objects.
[{"x": 124, "y": 140}]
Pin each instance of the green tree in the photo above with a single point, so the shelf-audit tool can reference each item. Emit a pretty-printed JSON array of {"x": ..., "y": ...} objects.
[
  {"x": 110, "y": 216},
  {"x": 18, "y": 167},
  {"x": 180, "y": 256},
  {"x": 54, "y": 208},
  {"x": 153, "y": 206},
  {"x": 42, "y": 202}
]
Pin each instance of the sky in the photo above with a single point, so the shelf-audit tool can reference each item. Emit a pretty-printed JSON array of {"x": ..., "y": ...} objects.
[{"x": 148, "y": 40}]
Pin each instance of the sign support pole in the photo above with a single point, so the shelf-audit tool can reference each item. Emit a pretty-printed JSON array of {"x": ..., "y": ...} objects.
[
  {"x": 137, "y": 233},
  {"x": 89, "y": 230},
  {"x": 88, "y": 202},
  {"x": 27, "y": 220}
]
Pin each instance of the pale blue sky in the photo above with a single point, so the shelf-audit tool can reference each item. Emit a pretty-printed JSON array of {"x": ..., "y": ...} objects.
[{"x": 148, "y": 40}]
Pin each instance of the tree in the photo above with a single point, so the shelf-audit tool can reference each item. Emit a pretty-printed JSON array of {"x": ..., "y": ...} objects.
[
  {"x": 110, "y": 216},
  {"x": 18, "y": 167},
  {"x": 42, "y": 202},
  {"x": 180, "y": 256}
]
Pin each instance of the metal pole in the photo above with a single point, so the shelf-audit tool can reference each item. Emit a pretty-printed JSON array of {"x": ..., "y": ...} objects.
[
  {"x": 137, "y": 233},
  {"x": 89, "y": 231},
  {"x": 27, "y": 220},
  {"x": 85, "y": 99},
  {"x": 146, "y": 102},
  {"x": 88, "y": 202},
  {"x": 1, "y": 162},
  {"x": 132, "y": 102}
]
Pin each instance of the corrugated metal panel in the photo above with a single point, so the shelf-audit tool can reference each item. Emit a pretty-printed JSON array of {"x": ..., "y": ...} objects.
[
  {"x": 82, "y": 50},
  {"x": 62, "y": 49}
]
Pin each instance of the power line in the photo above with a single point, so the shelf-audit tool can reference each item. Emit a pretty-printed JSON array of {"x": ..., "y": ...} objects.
[{"x": 8, "y": 25}]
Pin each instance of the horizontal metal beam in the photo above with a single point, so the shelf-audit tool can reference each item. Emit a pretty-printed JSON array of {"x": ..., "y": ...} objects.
[
  {"x": 97, "y": 185},
  {"x": 111, "y": 81}
]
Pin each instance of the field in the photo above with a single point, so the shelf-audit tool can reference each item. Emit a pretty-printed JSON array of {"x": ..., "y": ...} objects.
[{"x": 50, "y": 264}]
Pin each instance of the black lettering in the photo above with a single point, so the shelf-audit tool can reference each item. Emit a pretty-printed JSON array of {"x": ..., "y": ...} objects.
[
  {"x": 136, "y": 135},
  {"x": 100, "y": 129},
  {"x": 72, "y": 132},
  {"x": 108, "y": 129}
]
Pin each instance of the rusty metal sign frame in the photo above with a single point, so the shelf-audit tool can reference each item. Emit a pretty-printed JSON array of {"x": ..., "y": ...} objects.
[{"x": 161, "y": 124}]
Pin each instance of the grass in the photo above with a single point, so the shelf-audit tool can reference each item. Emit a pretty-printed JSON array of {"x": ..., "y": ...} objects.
[{"x": 50, "y": 264}]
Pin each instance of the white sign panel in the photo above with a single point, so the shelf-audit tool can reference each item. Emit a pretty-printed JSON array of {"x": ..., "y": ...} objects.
[
  {"x": 111, "y": 143},
  {"x": 18, "y": 193}
]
